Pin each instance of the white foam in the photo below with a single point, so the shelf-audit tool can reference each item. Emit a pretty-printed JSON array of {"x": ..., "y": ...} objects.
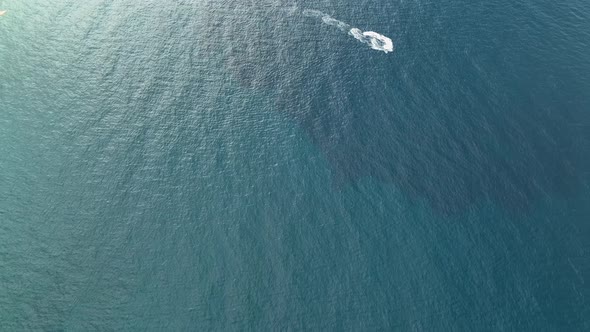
[
  {"x": 379, "y": 42},
  {"x": 356, "y": 33},
  {"x": 375, "y": 40}
]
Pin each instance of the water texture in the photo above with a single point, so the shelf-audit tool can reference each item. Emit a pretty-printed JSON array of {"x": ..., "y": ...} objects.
[{"x": 288, "y": 165}]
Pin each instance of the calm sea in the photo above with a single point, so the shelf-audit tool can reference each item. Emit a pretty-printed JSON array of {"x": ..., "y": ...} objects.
[{"x": 191, "y": 165}]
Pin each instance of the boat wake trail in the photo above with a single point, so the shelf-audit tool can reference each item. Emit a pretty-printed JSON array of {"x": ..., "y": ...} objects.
[{"x": 375, "y": 40}]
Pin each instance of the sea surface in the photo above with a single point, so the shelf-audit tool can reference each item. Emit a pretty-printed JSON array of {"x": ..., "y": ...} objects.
[{"x": 193, "y": 165}]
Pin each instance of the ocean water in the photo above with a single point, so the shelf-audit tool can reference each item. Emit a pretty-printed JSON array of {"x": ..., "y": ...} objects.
[{"x": 367, "y": 165}]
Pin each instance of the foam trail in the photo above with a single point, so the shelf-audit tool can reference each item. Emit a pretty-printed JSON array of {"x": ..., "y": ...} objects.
[
  {"x": 329, "y": 20},
  {"x": 375, "y": 40}
]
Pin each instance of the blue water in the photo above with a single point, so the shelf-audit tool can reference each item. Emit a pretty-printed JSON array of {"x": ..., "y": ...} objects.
[{"x": 237, "y": 165}]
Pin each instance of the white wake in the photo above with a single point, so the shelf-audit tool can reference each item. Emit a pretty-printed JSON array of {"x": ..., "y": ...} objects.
[{"x": 375, "y": 40}]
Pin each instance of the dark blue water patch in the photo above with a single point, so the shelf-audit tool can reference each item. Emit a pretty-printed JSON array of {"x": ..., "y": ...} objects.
[{"x": 482, "y": 103}]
